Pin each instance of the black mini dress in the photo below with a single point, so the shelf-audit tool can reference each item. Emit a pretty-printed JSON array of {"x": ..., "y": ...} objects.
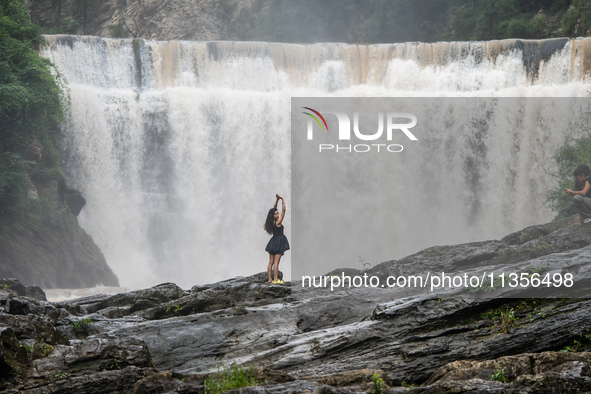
[{"x": 278, "y": 243}]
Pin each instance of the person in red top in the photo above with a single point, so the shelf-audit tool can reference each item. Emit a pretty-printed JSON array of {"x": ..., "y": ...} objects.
[
  {"x": 582, "y": 192},
  {"x": 278, "y": 243}
]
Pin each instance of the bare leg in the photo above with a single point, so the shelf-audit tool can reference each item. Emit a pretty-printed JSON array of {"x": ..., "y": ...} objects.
[
  {"x": 270, "y": 267},
  {"x": 276, "y": 268}
]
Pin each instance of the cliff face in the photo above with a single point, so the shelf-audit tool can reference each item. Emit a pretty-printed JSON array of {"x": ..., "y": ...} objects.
[
  {"x": 46, "y": 246},
  {"x": 60, "y": 255},
  {"x": 198, "y": 20},
  {"x": 327, "y": 21}
]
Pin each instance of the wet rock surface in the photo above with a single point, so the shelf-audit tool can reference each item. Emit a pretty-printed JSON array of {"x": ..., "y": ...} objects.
[
  {"x": 168, "y": 339},
  {"x": 44, "y": 245},
  {"x": 55, "y": 255}
]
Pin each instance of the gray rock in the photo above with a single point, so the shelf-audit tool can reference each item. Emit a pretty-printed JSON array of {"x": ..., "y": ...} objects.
[
  {"x": 166, "y": 339},
  {"x": 298, "y": 386},
  {"x": 107, "y": 381},
  {"x": 14, "y": 285},
  {"x": 74, "y": 200},
  {"x": 45, "y": 246},
  {"x": 171, "y": 20},
  {"x": 523, "y": 373},
  {"x": 52, "y": 256},
  {"x": 36, "y": 292}
]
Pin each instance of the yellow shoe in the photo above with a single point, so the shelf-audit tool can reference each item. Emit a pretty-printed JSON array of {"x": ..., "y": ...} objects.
[{"x": 280, "y": 281}]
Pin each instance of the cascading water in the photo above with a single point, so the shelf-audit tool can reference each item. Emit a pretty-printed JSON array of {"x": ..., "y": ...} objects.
[{"x": 180, "y": 147}]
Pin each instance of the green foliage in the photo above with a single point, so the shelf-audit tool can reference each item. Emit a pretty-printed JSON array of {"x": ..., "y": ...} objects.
[
  {"x": 30, "y": 97},
  {"x": 508, "y": 316},
  {"x": 45, "y": 350},
  {"x": 38, "y": 350},
  {"x": 499, "y": 376},
  {"x": 349, "y": 20},
  {"x": 579, "y": 345},
  {"x": 230, "y": 378},
  {"x": 567, "y": 159},
  {"x": 577, "y": 20},
  {"x": 177, "y": 309},
  {"x": 81, "y": 325},
  {"x": 114, "y": 365},
  {"x": 43, "y": 174},
  {"x": 504, "y": 317},
  {"x": 41, "y": 210},
  {"x": 585, "y": 22},
  {"x": 478, "y": 20},
  {"x": 378, "y": 384},
  {"x": 29, "y": 349},
  {"x": 569, "y": 21},
  {"x": 117, "y": 30},
  {"x": 557, "y": 5},
  {"x": 575, "y": 347},
  {"x": 13, "y": 181},
  {"x": 408, "y": 386},
  {"x": 31, "y": 101},
  {"x": 523, "y": 26},
  {"x": 63, "y": 26},
  {"x": 390, "y": 21},
  {"x": 498, "y": 19}
]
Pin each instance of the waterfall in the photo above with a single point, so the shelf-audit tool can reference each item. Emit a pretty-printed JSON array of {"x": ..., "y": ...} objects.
[{"x": 159, "y": 136}]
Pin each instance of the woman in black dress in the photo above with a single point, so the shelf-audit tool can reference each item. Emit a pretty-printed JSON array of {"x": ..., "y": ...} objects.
[{"x": 278, "y": 244}]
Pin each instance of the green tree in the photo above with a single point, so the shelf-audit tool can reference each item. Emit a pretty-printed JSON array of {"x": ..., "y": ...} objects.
[
  {"x": 306, "y": 21},
  {"x": 350, "y": 21},
  {"x": 567, "y": 159},
  {"x": 389, "y": 21},
  {"x": 31, "y": 101}
]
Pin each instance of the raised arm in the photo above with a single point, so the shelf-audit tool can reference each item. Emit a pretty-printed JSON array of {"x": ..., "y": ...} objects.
[
  {"x": 282, "y": 212},
  {"x": 276, "y": 201}
]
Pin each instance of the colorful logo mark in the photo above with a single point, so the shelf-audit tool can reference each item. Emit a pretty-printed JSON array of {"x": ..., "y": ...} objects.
[{"x": 315, "y": 118}]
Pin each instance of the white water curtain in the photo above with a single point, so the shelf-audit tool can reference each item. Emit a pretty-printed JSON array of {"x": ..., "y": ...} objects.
[{"x": 180, "y": 147}]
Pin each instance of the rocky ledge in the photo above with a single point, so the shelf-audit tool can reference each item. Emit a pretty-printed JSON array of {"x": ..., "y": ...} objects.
[
  {"x": 44, "y": 244},
  {"x": 166, "y": 339}
]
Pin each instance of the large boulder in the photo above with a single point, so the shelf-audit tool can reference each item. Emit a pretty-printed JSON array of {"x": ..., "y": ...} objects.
[{"x": 44, "y": 245}]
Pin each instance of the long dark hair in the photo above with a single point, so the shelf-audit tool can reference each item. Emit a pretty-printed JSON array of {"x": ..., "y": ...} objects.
[
  {"x": 270, "y": 222},
  {"x": 582, "y": 169}
]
